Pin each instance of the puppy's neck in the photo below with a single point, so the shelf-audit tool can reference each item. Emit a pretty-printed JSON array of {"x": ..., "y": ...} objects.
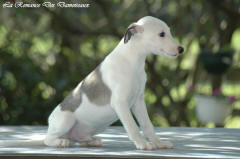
[{"x": 134, "y": 52}]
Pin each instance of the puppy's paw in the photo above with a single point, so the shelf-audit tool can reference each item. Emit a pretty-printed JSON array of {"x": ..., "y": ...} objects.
[
  {"x": 63, "y": 143},
  {"x": 95, "y": 143},
  {"x": 144, "y": 145},
  {"x": 163, "y": 144}
]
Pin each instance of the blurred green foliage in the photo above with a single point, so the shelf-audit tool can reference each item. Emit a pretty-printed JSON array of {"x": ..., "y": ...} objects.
[{"x": 45, "y": 52}]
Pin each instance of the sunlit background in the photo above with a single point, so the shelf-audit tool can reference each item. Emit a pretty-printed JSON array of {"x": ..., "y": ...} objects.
[{"x": 45, "y": 52}]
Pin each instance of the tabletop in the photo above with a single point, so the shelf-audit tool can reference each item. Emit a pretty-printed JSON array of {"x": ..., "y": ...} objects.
[{"x": 188, "y": 143}]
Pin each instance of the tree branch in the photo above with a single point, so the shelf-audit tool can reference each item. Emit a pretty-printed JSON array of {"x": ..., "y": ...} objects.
[
  {"x": 75, "y": 27},
  {"x": 104, "y": 6}
]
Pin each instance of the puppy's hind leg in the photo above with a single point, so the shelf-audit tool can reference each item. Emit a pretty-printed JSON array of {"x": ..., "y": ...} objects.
[
  {"x": 83, "y": 135},
  {"x": 60, "y": 123}
]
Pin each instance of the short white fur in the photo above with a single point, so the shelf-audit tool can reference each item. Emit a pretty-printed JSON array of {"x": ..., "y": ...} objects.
[{"x": 123, "y": 72}]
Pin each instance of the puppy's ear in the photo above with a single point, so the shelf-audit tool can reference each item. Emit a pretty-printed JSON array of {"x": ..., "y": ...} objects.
[{"x": 131, "y": 30}]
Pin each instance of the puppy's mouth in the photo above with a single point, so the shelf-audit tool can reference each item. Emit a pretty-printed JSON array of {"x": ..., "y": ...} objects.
[
  {"x": 169, "y": 55},
  {"x": 174, "y": 55}
]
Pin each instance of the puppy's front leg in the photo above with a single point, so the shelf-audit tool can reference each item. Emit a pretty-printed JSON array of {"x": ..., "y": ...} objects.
[
  {"x": 140, "y": 112},
  {"x": 124, "y": 114}
]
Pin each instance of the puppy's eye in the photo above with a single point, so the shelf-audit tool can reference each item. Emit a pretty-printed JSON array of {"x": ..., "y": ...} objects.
[{"x": 162, "y": 34}]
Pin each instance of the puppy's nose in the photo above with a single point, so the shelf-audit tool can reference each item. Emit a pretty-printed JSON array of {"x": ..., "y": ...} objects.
[{"x": 180, "y": 49}]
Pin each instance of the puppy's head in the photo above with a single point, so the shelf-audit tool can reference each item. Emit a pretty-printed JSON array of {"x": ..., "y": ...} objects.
[{"x": 154, "y": 35}]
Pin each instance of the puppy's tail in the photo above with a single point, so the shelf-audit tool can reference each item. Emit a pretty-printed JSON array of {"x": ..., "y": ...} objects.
[{"x": 22, "y": 143}]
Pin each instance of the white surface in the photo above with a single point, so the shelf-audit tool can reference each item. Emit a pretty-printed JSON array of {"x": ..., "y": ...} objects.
[
  {"x": 210, "y": 109},
  {"x": 188, "y": 143}
]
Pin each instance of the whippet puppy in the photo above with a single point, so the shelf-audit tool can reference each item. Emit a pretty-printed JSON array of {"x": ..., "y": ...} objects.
[{"x": 113, "y": 89}]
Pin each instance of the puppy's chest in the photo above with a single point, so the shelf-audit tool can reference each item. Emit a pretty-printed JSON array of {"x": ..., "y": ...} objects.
[{"x": 137, "y": 87}]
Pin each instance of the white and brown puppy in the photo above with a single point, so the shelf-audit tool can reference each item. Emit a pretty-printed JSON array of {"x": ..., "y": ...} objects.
[{"x": 113, "y": 89}]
